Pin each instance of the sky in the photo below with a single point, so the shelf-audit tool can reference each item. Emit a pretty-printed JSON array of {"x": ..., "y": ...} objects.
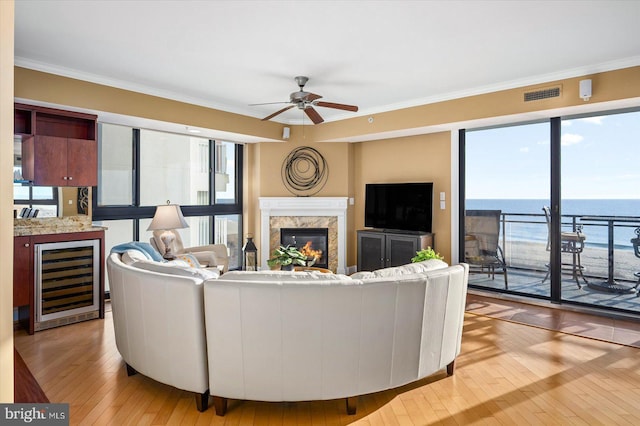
[{"x": 600, "y": 159}]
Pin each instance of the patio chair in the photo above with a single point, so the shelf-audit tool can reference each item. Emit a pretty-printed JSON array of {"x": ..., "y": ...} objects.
[
  {"x": 636, "y": 250},
  {"x": 570, "y": 242},
  {"x": 481, "y": 250}
]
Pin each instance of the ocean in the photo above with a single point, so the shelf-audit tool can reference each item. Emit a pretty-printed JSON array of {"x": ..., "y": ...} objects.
[{"x": 537, "y": 232}]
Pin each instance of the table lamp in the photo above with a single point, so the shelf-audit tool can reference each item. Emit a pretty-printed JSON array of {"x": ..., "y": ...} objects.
[{"x": 167, "y": 218}]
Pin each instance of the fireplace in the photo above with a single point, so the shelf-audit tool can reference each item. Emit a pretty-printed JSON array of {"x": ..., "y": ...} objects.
[
  {"x": 305, "y": 212},
  {"x": 312, "y": 242}
]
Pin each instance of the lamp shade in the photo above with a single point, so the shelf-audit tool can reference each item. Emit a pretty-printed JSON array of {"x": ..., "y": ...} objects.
[{"x": 168, "y": 216}]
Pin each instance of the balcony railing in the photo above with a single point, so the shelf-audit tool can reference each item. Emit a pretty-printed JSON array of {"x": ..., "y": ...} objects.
[
  {"x": 524, "y": 242},
  {"x": 523, "y": 238}
]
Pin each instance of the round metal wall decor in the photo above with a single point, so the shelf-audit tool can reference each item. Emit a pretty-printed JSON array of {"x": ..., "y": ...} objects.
[{"x": 304, "y": 171}]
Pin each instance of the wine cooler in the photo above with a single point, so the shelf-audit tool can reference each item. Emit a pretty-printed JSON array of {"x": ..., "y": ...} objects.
[{"x": 67, "y": 282}]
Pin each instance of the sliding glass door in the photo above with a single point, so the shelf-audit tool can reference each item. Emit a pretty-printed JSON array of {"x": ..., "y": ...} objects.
[
  {"x": 568, "y": 194},
  {"x": 601, "y": 194},
  {"x": 507, "y": 170}
]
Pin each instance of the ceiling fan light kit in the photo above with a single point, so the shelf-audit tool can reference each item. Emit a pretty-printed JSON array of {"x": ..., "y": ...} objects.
[{"x": 305, "y": 101}]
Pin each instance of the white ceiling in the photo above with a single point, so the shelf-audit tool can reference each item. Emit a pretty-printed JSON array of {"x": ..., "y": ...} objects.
[{"x": 379, "y": 55}]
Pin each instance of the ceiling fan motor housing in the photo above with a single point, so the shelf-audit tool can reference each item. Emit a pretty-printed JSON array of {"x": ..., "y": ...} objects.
[{"x": 301, "y": 80}]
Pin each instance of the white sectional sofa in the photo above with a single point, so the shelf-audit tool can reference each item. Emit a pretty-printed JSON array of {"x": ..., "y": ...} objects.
[
  {"x": 158, "y": 319},
  {"x": 286, "y": 336},
  {"x": 305, "y": 336}
]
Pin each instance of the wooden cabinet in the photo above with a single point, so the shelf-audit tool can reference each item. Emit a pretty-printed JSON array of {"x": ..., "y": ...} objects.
[
  {"x": 59, "y": 147},
  {"x": 24, "y": 271},
  {"x": 378, "y": 249},
  {"x": 59, "y": 161},
  {"x": 23, "y": 280}
]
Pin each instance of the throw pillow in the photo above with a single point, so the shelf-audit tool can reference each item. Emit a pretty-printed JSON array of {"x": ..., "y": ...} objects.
[
  {"x": 190, "y": 259},
  {"x": 131, "y": 256}
]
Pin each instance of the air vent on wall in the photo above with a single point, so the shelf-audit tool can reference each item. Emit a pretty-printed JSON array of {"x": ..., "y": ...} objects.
[{"x": 539, "y": 94}]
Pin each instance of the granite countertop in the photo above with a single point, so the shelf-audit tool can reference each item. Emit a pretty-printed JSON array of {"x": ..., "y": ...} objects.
[{"x": 53, "y": 225}]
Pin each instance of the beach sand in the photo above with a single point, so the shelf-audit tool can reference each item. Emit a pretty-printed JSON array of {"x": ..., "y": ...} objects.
[{"x": 533, "y": 255}]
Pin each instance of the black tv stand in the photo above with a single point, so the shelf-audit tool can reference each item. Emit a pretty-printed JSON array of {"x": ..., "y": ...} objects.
[
  {"x": 399, "y": 231},
  {"x": 379, "y": 248}
]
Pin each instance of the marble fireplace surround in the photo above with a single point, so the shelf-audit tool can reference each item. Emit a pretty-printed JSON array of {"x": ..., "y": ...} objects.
[{"x": 305, "y": 212}]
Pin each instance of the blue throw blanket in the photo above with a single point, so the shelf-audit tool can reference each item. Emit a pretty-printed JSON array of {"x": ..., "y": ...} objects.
[{"x": 146, "y": 248}]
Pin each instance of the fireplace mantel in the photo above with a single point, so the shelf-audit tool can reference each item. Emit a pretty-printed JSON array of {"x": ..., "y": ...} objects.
[{"x": 305, "y": 206}]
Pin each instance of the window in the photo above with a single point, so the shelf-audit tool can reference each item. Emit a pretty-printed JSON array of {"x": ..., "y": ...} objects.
[
  {"x": 41, "y": 198},
  {"x": 173, "y": 167},
  {"x": 140, "y": 169},
  {"x": 115, "y": 174},
  {"x": 225, "y": 168}
]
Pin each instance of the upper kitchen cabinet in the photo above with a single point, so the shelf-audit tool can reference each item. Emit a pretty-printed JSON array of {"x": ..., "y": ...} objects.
[
  {"x": 57, "y": 161},
  {"x": 59, "y": 147}
]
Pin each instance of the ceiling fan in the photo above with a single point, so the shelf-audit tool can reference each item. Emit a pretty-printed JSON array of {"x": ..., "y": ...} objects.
[{"x": 306, "y": 101}]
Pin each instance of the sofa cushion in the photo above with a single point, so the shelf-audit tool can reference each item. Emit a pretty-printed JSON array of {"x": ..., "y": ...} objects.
[
  {"x": 432, "y": 264},
  {"x": 362, "y": 275},
  {"x": 410, "y": 268},
  {"x": 175, "y": 269},
  {"x": 284, "y": 276}
]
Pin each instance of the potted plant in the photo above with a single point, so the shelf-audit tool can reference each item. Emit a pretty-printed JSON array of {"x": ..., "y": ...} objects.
[
  {"x": 426, "y": 254},
  {"x": 287, "y": 256}
]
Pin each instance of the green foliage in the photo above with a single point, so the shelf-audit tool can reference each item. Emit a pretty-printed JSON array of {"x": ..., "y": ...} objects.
[
  {"x": 287, "y": 255},
  {"x": 426, "y": 254}
]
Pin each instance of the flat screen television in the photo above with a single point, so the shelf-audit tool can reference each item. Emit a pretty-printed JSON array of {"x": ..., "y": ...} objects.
[{"x": 399, "y": 206}]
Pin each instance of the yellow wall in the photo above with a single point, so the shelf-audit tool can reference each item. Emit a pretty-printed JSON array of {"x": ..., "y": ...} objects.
[
  {"x": 425, "y": 158},
  {"x": 265, "y": 174},
  {"x": 45, "y": 87},
  {"x": 6, "y": 200}
]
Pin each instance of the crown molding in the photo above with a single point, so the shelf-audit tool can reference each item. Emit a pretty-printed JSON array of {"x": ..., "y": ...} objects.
[{"x": 512, "y": 84}]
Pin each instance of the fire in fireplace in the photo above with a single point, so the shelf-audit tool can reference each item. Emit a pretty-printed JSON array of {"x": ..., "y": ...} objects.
[{"x": 312, "y": 242}]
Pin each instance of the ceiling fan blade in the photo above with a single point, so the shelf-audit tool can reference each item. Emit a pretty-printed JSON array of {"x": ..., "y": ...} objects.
[
  {"x": 312, "y": 97},
  {"x": 336, "y": 106},
  {"x": 269, "y": 103},
  {"x": 268, "y": 117},
  {"x": 313, "y": 115}
]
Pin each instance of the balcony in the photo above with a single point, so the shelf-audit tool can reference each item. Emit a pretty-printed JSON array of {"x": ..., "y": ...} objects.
[{"x": 523, "y": 238}]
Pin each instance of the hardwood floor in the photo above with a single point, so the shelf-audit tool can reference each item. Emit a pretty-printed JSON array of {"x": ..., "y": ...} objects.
[
  {"x": 507, "y": 373},
  {"x": 26, "y": 387}
]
